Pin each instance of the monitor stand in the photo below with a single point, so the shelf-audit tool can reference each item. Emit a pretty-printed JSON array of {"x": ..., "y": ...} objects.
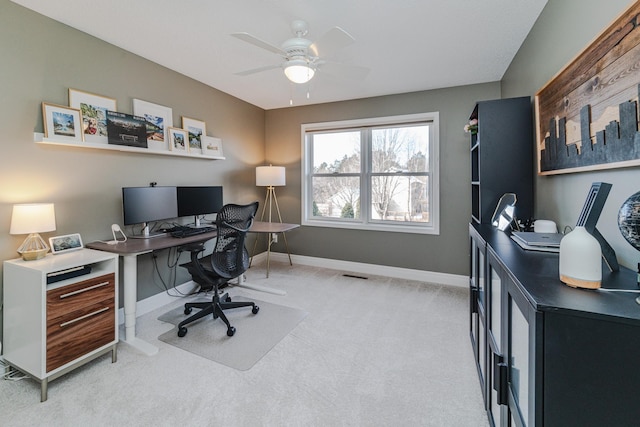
[
  {"x": 197, "y": 223},
  {"x": 146, "y": 234}
]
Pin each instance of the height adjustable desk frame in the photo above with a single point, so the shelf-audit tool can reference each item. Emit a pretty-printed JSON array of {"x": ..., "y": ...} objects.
[{"x": 130, "y": 250}]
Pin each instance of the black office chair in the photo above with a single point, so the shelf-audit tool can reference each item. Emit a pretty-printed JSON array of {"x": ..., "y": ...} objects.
[{"x": 228, "y": 261}]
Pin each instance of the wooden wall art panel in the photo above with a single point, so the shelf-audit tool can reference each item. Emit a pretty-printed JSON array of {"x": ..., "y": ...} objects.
[{"x": 587, "y": 115}]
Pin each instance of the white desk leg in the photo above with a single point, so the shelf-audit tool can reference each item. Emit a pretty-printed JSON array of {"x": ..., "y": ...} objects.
[{"x": 130, "y": 302}]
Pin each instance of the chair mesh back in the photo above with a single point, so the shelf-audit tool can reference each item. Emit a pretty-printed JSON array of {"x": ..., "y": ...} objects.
[{"x": 230, "y": 258}]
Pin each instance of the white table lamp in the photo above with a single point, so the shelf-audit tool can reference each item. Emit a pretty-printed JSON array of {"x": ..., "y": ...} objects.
[
  {"x": 32, "y": 219},
  {"x": 270, "y": 177},
  {"x": 580, "y": 260}
]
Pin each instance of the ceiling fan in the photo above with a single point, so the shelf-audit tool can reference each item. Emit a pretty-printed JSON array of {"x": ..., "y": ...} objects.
[{"x": 302, "y": 57}]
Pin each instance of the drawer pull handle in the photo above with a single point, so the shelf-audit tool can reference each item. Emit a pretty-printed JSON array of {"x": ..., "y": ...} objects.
[
  {"x": 79, "y": 291},
  {"x": 77, "y": 319}
]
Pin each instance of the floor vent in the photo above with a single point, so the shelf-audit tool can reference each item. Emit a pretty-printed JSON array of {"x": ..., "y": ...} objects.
[{"x": 355, "y": 277}]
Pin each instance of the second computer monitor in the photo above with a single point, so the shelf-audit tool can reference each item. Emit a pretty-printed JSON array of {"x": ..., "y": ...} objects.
[{"x": 198, "y": 201}]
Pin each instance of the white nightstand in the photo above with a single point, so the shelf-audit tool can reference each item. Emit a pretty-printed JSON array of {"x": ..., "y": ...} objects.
[{"x": 51, "y": 327}]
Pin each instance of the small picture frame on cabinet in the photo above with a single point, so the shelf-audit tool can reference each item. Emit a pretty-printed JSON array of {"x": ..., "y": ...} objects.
[
  {"x": 66, "y": 243},
  {"x": 62, "y": 123},
  {"x": 212, "y": 146},
  {"x": 178, "y": 140}
]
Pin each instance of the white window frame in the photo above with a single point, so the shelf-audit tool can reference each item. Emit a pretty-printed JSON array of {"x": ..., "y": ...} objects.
[{"x": 433, "y": 227}]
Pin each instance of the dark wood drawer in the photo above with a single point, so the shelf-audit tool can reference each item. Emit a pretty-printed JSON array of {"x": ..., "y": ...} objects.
[
  {"x": 70, "y": 341},
  {"x": 80, "y": 318},
  {"x": 76, "y": 300}
]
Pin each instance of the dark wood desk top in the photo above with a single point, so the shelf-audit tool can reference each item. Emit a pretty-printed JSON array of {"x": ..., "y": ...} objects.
[{"x": 135, "y": 246}]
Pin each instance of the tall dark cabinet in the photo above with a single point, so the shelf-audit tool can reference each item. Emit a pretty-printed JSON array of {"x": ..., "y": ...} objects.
[{"x": 502, "y": 157}]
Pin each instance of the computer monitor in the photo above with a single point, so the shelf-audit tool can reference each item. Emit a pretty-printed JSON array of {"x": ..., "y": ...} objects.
[
  {"x": 198, "y": 201},
  {"x": 142, "y": 205}
]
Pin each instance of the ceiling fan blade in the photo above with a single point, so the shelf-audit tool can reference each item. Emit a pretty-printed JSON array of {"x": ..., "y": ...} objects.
[
  {"x": 246, "y": 37},
  {"x": 257, "y": 70},
  {"x": 331, "y": 41},
  {"x": 348, "y": 71}
]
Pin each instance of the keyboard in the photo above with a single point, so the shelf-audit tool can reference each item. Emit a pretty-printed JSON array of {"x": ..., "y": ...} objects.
[{"x": 180, "y": 231}]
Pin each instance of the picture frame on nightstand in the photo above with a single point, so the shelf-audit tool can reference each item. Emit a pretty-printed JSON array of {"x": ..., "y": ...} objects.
[{"x": 66, "y": 243}]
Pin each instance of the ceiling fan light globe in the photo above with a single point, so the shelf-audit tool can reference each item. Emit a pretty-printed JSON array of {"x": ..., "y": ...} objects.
[{"x": 299, "y": 73}]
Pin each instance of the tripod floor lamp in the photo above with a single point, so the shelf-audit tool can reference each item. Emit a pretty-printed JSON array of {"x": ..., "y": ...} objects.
[{"x": 271, "y": 177}]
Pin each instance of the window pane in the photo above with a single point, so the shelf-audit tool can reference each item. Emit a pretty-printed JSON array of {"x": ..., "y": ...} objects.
[
  {"x": 336, "y": 152},
  {"x": 336, "y": 197},
  {"x": 400, "y": 149},
  {"x": 400, "y": 198}
]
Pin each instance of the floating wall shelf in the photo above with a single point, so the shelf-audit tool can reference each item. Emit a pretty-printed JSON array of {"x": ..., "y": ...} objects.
[{"x": 39, "y": 138}]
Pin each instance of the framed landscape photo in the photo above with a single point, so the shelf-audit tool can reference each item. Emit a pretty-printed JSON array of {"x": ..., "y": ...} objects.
[
  {"x": 62, "y": 123},
  {"x": 68, "y": 242},
  {"x": 212, "y": 146},
  {"x": 159, "y": 119},
  {"x": 196, "y": 130},
  {"x": 94, "y": 114},
  {"x": 126, "y": 129},
  {"x": 178, "y": 140}
]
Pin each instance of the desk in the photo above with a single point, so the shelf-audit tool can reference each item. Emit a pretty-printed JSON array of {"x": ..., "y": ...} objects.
[
  {"x": 129, "y": 252},
  {"x": 269, "y": 228}
]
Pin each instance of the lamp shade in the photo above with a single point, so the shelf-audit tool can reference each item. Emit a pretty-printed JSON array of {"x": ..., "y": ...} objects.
[
  {"x": 298, "y": 71},
  {"x": 33, "y": 218},
  {"x": 270, "y": 176}
]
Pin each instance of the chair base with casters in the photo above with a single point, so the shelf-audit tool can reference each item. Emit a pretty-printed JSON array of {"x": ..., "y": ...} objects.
[
  {"x": 228, "y": 260},
  {"x": 215, "y": 307}
]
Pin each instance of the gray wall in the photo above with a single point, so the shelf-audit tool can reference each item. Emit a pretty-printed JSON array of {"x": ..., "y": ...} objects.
[
  {"x": 41, "y": 59},
  {"x": 447, "y": 252},
  {"x": 562, "y": 31}
]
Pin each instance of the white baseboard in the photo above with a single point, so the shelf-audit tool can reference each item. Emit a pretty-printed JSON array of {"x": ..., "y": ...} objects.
[
  {"x": 378, "y": 270},
  {"x": 149, "y": 304}
]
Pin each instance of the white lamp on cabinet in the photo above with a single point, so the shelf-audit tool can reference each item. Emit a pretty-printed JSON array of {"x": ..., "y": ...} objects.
[
  {"x": 580, "y": 260},
  {"x": 31, "y": 219}
]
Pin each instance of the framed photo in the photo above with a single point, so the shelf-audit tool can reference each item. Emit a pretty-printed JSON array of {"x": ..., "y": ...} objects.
[
  {"x": 68, "y": 242},
  {"x": 196, "y": 130},
  {"x": 126, "y": 129},
  {"x": 94, "y": 114},
  {"x": 159, "y": 119},
  {"x": 212, "y": 146},
  {"x": 178, "y": 140},
  {"x": 62, "y": 123}
]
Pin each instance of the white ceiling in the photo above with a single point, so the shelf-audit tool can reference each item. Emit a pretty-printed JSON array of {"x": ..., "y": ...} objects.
[{"x": 408, "y": 45}]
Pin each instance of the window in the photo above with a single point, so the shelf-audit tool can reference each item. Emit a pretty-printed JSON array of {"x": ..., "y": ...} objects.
[{"x": 374, "y": 174}]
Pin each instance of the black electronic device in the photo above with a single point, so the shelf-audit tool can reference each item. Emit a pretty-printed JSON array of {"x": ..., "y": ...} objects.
[
  {"x": 198, "y": 201},
  {"x": 589, "y": 216},
  {"x": 142, "y": 205}
]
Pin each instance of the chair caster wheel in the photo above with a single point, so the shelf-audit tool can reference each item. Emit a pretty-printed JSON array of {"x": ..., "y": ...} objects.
[
  {"x": 255, "y": 309},
  {"x": 231, "y": 331},
  {"x": 227, "y": 299},
  {"x": 187, "y": 310},
  {"x": 182, "y": 332}
]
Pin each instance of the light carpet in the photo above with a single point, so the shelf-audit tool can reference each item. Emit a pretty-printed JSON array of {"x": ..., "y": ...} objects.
[
  {"x": 371, "y": 353},
  {"x": 255, "y": 335}
]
